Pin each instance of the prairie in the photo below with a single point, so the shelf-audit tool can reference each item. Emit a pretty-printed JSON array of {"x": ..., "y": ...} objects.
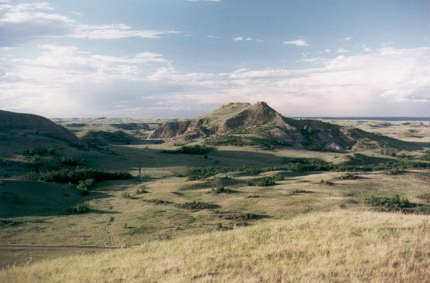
[
  {"x": 247, "y": 213},
  {"x": 338, "y": 246}
]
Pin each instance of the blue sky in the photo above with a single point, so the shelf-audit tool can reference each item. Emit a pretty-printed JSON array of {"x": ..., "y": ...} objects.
[{"x": 179, "y": 58}]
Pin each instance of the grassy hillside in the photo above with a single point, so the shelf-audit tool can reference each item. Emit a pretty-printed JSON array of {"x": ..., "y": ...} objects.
[
  {"x": 21, "y": 124},
  {"x": 339, "y": 246}
]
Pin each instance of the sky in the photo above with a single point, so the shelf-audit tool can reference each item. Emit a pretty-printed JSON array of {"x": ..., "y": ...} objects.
[{"x": 183, "y": 58}]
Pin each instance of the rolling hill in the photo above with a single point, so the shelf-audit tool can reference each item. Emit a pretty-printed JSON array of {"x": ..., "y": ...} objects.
[{"x": 12, "y": 123}]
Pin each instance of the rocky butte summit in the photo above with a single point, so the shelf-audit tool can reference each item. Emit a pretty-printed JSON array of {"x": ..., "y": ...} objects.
[{"x": 245, "y": 123}]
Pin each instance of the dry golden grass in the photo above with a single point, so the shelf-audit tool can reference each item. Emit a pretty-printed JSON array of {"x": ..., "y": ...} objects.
[{"x": 340, "y": 246}]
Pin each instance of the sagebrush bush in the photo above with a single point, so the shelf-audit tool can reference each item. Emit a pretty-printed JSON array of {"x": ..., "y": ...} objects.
[
  {"x": 158, "y": 201},
  {"x": 85, "y": 185},
  {"x": 78, "y": 209},
  {"x": 221, "y": 190},
  {"x": 125, "y": 195},
  {"x": 326, "y": 182},
  {"x": 347, "y": 176},
  {"x": 394, "y": 203},
  {"x": 196, "y": 205},
  {"x": 140, "y": 191},
  {"x": 202, "y": 173},
  {"x": 263, "y": 182}
]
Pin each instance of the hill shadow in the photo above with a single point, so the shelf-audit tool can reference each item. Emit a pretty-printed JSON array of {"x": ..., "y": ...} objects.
[
  {"x": 130, "y": 157},
  {"x": 397, "y": 144},
  {"x": 30, "y": 198}
]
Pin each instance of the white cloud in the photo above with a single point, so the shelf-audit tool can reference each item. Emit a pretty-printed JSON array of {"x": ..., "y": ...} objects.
[
  {"x": 297, "y": 42},
  {"x": 347, "y": 38},
  {"x": 115, "y": 31},
  {"x": 67, "y": 81},
  {"x": 342, "y": 50},
  {"x": 365, "y": 48},
  {"x": 29, "y": 21},
  {"x": 241, "y": 38},
  {"x": 25, "y": 6},
  {"x": 381, "y": 82},
  {"x": 311, "y": 60},
  {"x": 64, "y": 80}
]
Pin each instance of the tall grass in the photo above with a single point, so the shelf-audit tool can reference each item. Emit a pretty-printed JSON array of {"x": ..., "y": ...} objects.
[{"x": 340, "y": 246}]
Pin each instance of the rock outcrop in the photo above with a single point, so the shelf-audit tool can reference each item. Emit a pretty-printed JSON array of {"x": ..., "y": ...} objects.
[{"x": 244, "y": 120}]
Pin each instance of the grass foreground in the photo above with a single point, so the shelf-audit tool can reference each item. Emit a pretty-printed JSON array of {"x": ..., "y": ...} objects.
[{"x": 339, "y": 246}]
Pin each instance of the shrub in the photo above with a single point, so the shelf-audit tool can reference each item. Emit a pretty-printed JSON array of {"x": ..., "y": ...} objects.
[
  {"x": 196, "y": 149},
  {"x": 158, "y": 201},
  {"x": 219, "y": 226},
  {"x": 390, "y": 203},
  {"x": 80, "y": 174},
  {"x": 140, "y": 191},
  {"x": 347, "y": 176},
  {"x": 70, "y": 161},
  {"x": 395, "y": 171},
  {"x": 237, "y": 216},
  {"x": 267, "y": 181},
  {"x": 40, "y": 150},
  {"x": 264, "y": 182},
  {"x": 202, "y": 173},
  {"x": 84, "y": 186},
  {"x": 254, "y": 196},
  {"x": 196, "y": 205},
  {"x": 278, "y": 177},
  {"x": 307, "y": 164},
  {"x": 83, "y": 190},
  {"x": 35, "y": 162},
  {"x": 326, "y": 182},
  {"x": 78, "y": 209},
  {"x": 125, "y": 195},
  {"x": 221, "y": 190},
  {"x": 90, "y": 182},
  {"x": 299, "y": 191}
]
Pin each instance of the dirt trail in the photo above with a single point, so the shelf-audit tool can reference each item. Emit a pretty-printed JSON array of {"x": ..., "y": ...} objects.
[{"x": 56, "y": 248}]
